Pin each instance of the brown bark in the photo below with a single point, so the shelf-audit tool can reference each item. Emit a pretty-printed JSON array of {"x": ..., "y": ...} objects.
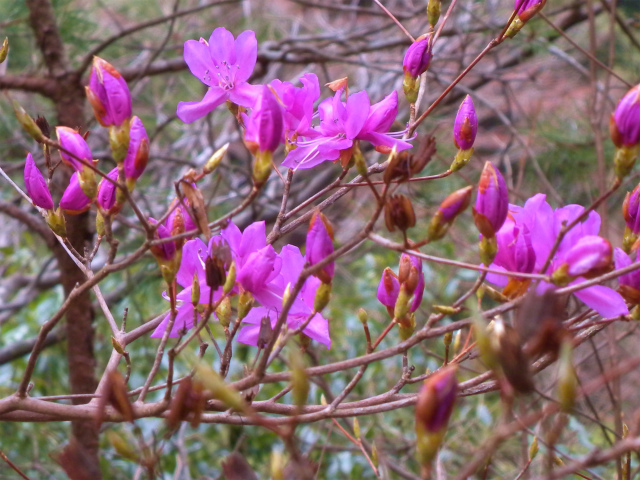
[{"x": 68, "y": 96}]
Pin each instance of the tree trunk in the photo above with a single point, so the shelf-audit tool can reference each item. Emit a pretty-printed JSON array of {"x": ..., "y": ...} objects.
[{"x": 68, "y": 97}]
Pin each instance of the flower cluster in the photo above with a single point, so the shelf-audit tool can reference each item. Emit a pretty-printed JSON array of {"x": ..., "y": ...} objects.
[
  {"x": 111, "y": 101},
  {"x": 282, "y": 112},
  {"x": 261, "y": 272},
  {"x": 525, "y": 242}
]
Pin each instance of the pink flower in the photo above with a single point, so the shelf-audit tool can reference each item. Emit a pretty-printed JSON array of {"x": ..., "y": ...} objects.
[
  {"x": 108, "y": 94},
  {"x": 36, "y": 185},
  {"x": 292, "y": 263},
  {"x": 224, "y": 65},
  {"x": 544, "y": 224},
  {"x": 298, "y": 103},
  {"x": 342, "y": 123}
]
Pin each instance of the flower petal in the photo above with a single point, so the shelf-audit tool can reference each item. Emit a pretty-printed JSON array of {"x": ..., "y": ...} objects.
[
  {"x": 198, "y": 59},
  {"x": 191, "y": 111},
  {"x": 604, "y": 300},
  {"x": 246, "y": 48},
  {"x": 222, "y": 47}
]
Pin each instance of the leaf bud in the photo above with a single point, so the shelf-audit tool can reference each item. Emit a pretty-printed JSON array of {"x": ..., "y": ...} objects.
[
  {"x": 4, "y": 50},
  {"x": 533, "y": 449},
  {"x": 28, "y": 124},
  {"x": 215, "y": 159},
  {"x": 356, "y": 428},
  {"x": 433, "y": 11},
  {"x": 223, "y": 312},
  {"x": 299, "y": 378},
  {"x": 245, "y": 304},
  {"x": 567, "y": 379},
  {"x": 217, "y": 387},
  {"x": 231, "y": 278},
  {"x": 323, "y": 295}
]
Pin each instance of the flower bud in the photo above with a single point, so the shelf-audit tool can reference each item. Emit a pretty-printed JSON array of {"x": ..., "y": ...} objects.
[
  {"x": 72, "y": 141},
  {"x": 629, "y": 282},
  {"x": 465, "y": 126},
  {"x": 265, "y": 125},
  {"x": 449, "y": 209},
  {"x": 138, "y": 152},
  {"x": 589, "y": 257},
  {"x": 107, "y": 192},
  {"x": 631, "y": 213},
  {"x": 416, "y": 62},
  {"x": 398, "y": 213},
  {"x": 492, "y": 202},
  {"x": 165, "y": 251},
  {"x": 389, "y": 288},
  {"x": 525, "y": 10},
  {"x": 108, "y": 94},
  {"x": 433, "y": 410},
  {"x": 319, "y": 245},
  {"x": 625, "y": 120},
  {"x": 36, "y": 185},
  {"x": 418, "y": 56},
  {"x": 74, "y": 200}
]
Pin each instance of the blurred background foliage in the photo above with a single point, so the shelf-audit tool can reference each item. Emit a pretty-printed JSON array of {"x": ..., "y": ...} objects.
[{"x": 534, "y": 98}]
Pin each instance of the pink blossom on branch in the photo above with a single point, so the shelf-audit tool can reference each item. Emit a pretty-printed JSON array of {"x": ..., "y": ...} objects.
[
  {"x": 341, "y": 124},
  {"x": 224, "y": 65}
]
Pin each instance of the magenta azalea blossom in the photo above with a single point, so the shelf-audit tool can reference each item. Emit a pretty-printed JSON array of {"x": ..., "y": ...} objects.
[
  {"x": 259, "y": 270},
  {"x": 298, "y": 103},
  {"x": 342, "y": 123},
  {"x": 543, "y": 224},
  {"x": 194, "y": 254},
  {"x": 224, "y": 65},
  {"x": 292, "y": 263}
]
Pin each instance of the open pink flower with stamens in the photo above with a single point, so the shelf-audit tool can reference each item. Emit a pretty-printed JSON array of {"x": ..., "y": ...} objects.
[{"x": 224, "y": 65}]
